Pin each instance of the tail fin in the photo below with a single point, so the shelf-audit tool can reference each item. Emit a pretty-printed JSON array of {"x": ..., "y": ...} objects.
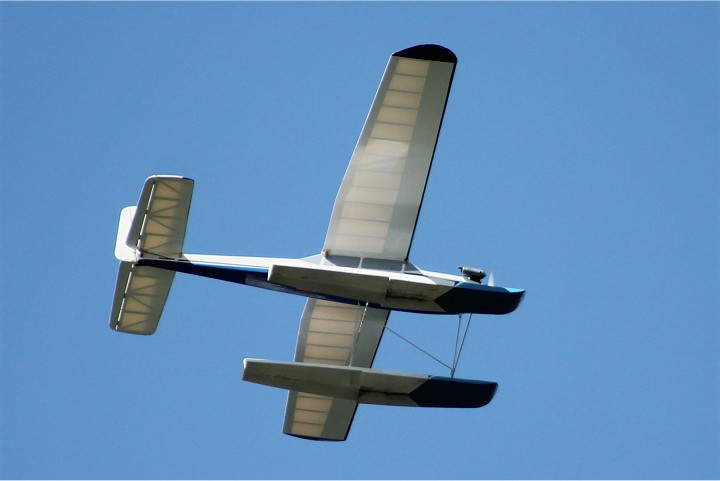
[
  {"x": 155, "y": 227},
  {"x": 123, "y": 251}
]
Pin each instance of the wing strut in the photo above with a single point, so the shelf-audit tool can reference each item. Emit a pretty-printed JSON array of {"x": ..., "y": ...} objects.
[
  {"x": 459, "y": 344},
  {"x": 458, "y": 351},
  {"x": 357, "y": 332}
]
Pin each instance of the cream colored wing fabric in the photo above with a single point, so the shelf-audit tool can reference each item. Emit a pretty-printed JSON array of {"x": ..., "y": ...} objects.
[
  {"x": 161, "y": 216},
  {"x": 338, "y": 334},
  {"x": 157, "y": 228},
  {"x": 377, "y": 206},
  {"x": 374, "y": 217},
  {"x": 140, "y": 296}
]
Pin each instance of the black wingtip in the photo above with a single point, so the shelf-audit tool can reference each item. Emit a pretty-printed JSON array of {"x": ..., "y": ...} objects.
[{"x": 437, "y": 53}]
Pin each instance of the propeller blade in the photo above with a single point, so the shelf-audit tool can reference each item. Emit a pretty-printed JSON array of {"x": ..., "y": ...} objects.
[{"x": 491, "y": 280}]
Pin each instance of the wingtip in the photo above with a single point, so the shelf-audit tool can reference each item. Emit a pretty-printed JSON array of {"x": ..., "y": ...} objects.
[
  {"x": 318, "y": 438},
  {"x": 428, "y": 52}
]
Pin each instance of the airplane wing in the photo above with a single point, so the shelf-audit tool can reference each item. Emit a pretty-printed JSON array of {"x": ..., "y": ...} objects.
[
  {"x": 336, "y": 334},
  {"x": 374, "y": 216},
  {"x": 377, "y": 206}
]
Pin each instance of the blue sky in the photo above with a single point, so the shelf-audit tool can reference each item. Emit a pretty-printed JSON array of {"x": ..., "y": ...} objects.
[{"x": 579, "y": 159}]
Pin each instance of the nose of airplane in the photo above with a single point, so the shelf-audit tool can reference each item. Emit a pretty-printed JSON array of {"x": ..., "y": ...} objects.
[{"x": 474, "y": 298}]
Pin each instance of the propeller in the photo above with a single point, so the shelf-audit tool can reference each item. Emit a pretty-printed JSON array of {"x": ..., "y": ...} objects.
[{"x": 491, "y": 280}]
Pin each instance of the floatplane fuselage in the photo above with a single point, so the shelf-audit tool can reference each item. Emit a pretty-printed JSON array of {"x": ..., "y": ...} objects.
[{"x": 389, "y": 285}]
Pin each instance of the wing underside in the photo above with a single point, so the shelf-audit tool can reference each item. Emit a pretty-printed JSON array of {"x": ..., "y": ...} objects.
[
  {"x": 335, "y": 334},
  {"x": 379, "y": 200},
  {"x": 374, "y": 216}
]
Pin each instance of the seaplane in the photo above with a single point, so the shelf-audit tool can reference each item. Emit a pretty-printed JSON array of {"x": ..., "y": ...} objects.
[{"x": 361, "y": 274}]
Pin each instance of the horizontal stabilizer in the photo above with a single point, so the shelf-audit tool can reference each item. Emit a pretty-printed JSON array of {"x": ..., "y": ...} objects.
[
  {"x": 140, "y": 295},
  {"x": 159, "y": 222},
  {"x": 154, "y": 228},
  {"x": 370, "y": 386}
]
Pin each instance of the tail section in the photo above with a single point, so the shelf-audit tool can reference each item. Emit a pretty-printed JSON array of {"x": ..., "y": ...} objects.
[
  {"x": 154, "y": 228},
  {"x": 123, "y": 251},
  {"x": 160, "y": 218},
  {"x": 140, "y": 296}
]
